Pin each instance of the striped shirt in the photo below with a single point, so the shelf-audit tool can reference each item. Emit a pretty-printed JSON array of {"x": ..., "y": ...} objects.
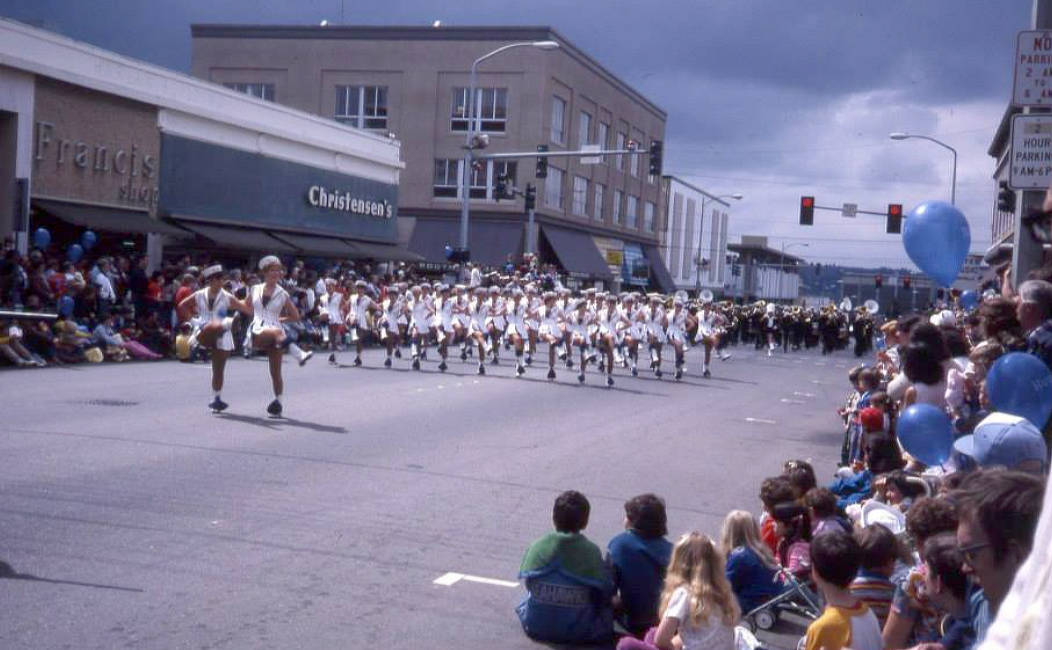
[{"x": 876, "y": 591}]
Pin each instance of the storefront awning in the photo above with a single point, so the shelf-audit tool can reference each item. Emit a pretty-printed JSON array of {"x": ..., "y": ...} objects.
[
  {"x": 373, "y": 251},
  {"x": 490, "y": 242},
  {"x": 107, "y": 219},
  {"x": 239, "y": 238},
  {"x": 321, "y": 246},
  {"x": 658, "y": 271},
  {"x": 576, "y": 251}
]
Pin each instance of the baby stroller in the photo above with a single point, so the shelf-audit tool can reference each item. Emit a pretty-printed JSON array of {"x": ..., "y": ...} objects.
[{"x": 797, "y": 598}]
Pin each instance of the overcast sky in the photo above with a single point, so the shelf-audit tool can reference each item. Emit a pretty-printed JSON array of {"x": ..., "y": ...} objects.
[{"x": 770, "y": 98}]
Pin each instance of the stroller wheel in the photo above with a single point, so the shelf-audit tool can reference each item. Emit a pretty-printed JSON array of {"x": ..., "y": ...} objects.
[{"x": 765, "y": 619}]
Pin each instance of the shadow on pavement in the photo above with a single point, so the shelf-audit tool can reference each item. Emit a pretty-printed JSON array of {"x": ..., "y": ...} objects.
[
  {"x": 7, "y": 572},
  {"x": 277, "y": 424}
]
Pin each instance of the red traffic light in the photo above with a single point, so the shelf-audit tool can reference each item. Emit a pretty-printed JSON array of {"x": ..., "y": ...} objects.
[
  {"x": 895, "y": 209},
  {"x": 807, "y": 201}
]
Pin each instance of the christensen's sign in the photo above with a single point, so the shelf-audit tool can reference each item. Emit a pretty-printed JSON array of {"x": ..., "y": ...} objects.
[{"x": 321, "y": 197}]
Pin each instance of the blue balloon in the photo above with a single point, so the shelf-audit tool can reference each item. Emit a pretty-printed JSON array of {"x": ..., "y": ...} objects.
[
  {"x": 1021, "y": 384},
  {"x": 937, "y": 238},
  {"x": 926, "y": 432},
  {"x": 41, "y": 237},
  {"x": 65, "y": 306},
  {"x": 88, "y": 239},
  {"x": 969, "y": 300},
  {"x": 74, "y": 252}
]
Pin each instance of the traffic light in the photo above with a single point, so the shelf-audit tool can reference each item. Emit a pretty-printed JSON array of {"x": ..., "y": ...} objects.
[
  {"x": 807, "y": 210},
  {"x": 906, "y": 282},
  {"x": 878, "y": 280},
  {"x": 655, "y": 157},
  {"x": 500, "y": 188},
  {"x": 531, "y": 197},
  {"x": 1005, "y": 198},
  {"x": 542, "y": 161},
  {"x": 894, "y": 219}
]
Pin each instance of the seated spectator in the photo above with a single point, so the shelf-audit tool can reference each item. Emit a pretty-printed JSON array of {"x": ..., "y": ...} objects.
[
  {"x": 873, "y": 585},
  {"x": 846, "y": 622},
  {"x": 569, "y": 588},
  {"x": 107, "y": 338},
  {"x": 699, "y": 607},
  {"x": 821, "y": 507},
  {"x": 12, "y": 349},
  {"x": 638, "y": 558},
  {"x": 897, "y": 490},
  {"x": 997, "y": 517},
  {"x": 1005, "y": 440},
  {"x": 751, "y": 568},
  {"x": 946, "y": 585},
  {"x": 870, "y": 420},
  {"x": 773, "y": 491},
  {"x": 801, "y": 476},
  {"x": 911, "y": 618},
  {"x": 793, "y": 526}
]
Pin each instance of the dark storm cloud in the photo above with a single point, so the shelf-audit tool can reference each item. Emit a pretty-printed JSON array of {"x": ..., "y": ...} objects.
[{"x": 772, "y": 98}]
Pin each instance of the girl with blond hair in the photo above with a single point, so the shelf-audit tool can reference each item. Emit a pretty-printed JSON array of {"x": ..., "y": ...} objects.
[
  {"x": 751, "y": 568},
  {"x": 700, "y": 610}
]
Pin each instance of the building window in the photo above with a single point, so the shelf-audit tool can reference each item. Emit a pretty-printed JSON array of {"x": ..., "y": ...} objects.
[
  {"x": 580, "y": 195},
  {"x": 618, "y": 218},
  {"x": 448, "y": 178},
  {"x": 633, "y": 164},
  {"x": 362, "y": 106},
  {"x": 490, "y": 112},
  {"x": 558, "y": 120},
  {"x": 648, "y": 216},
  {"x": 584, "y": 130},
  {"x": 597, "y": 205},
  {"x": 553, "y": 189},
  {"x": 631, "y": 212},
  {"x": 261, "y": 90},
  {"x": 601, "y": 135},
  {"x": 622, "y": 139},
  {"x": 447, "y": 184}
]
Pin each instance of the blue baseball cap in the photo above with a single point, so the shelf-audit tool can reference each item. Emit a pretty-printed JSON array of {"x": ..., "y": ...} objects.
[{"x": 1006, "y": 440}]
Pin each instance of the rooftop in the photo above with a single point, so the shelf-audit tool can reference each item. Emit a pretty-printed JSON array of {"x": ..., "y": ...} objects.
[{"x": 419, "y": 33}]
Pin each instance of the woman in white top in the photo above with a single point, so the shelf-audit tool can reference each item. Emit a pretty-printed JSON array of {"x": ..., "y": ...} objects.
[
  {"x": 656, "y": 323},
  {"x": 271, "y": 306},
  {"x": 697, "y": 604},
  {"x": 211, "y": 318}
]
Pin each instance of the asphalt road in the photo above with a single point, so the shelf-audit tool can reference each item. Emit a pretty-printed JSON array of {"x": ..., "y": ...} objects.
[{"x": 130, "y": 516}]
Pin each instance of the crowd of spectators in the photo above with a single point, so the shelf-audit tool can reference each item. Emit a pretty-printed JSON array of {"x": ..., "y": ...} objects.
[
  {"x": 897, "y": 553},
  {"x": 110, "y": 308}
]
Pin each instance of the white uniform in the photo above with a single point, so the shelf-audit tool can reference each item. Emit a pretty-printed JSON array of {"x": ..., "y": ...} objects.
[
  {"x": 394, "y": 313},
  {"x": 421, "y": 312},
  {"x": 267, "y": 311},
  {"x": 677, "y": 325},
  {"x": 516, "y": 317},
  {"x": 334, "y": 306},
  {"x": 217, "y": 309},
  {"x": 708, "y": 323},
  {"x": 533, "y": 314},
  {"x": 479, "y": 313},
  {"x": 655, "y": 318},
  {"x": 551, "y": 321},
  {"x": 578, "y": 323},
  {"x": 358, "y": 311},
  {"x": 609, "y": 319}
]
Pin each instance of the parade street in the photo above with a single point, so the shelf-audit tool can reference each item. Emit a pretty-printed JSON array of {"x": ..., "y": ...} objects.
[{"x": 131, "y": 516}]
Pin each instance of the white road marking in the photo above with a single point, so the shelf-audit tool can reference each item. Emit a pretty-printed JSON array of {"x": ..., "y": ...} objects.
[
  {"x": 760, "y": 421},
  {"x": 786, "y": 400},
  {"x": 820, "y": 363},
  {"x": 799, "y": 394},
  {"x": 451, "y": 578},
  {"x": 815, "y": 381}
]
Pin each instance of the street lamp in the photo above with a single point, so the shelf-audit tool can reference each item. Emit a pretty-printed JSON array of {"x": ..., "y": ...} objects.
[
  {"x": 781, "y": 267},
  {"x": 469, "y": 140},
  {"x": 705, "y": 198},
  {"x": 953, "y": 183}
]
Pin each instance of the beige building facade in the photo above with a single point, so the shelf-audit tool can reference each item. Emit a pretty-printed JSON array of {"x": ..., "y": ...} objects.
[{"x": 412, "y": 82}]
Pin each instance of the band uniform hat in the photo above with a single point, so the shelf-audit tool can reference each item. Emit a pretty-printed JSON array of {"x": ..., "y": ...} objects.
[{"x": 215, "y": 269}]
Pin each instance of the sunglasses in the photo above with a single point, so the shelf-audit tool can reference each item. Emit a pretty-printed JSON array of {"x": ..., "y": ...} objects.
[{"x": 969, "y": 552}]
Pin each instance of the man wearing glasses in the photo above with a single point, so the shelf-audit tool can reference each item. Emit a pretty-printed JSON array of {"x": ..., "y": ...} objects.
[{"x": 998, "y": 512}]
